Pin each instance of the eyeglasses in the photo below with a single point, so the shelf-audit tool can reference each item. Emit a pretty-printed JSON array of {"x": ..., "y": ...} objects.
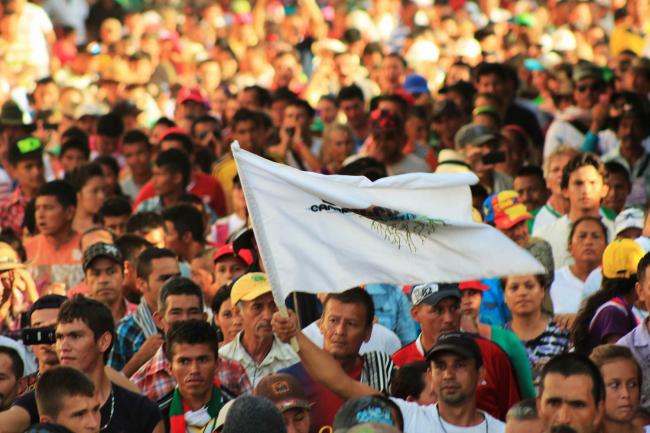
[{"x": 594, "y": 87}]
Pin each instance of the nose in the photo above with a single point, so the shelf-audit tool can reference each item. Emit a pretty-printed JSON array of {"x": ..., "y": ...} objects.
[{"x": 563, "y": 415}]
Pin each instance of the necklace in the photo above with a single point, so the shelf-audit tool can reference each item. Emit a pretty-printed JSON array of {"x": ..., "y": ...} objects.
[
  {"x": 110, "y": 417},
  {"x": 443, "y": 426}
]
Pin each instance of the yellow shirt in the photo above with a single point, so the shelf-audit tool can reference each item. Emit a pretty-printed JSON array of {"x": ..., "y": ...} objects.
[{"x": 224, "y": 171}]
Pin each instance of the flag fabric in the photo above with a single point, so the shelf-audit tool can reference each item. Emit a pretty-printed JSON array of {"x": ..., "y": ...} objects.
[{"x": 328, "y": 233}]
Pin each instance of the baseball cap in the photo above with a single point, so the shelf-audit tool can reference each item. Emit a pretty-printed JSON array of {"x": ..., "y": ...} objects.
[
  {"x": 250, "y": 286},
  {"x": 450, "y": 161},
  {"x": 415, "y": 83},
  {"x": 586, "y": 70},
  {"x": 473, "y": 285},
  {"x": 101, "y": 249},
  {"x": 362, "y": 410},
  {"x": 458, "y": 342},
  {"x": 621, "y": 258},
  {"x": 9, "y": 258},
  {"x": 628, "y": 219},
  {"x": 228, "y": 250},
  {"x": 190, "y": 95},
  {"x": 24, "y": 147},
  {"x": 473, "y": 135},
  {"x": 504, "y": 210},
  {"x": 432, "y": 293},
  {"x": 284, "y": 391}
]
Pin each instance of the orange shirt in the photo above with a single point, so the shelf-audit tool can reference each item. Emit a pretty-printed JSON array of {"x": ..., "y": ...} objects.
[{"x": 49, "y": 264}]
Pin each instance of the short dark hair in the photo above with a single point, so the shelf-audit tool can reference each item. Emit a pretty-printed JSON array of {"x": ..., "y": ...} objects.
[
  {"x": 397, "y": 56},
  {"x": 350, "y": 92},
  {"x": 144, "y": 222},
  {"x": 487, "y": 68},
  {"x": 110, "y": 125},
  {"x": 93, "y": 313},
  {"x": 642, "y": 267},
  {"x": 186, "y": 218},
  {"x": 244, "y": 115},
  {"x": 573, "y": 364},
  {"x": 176, "y": 161},
  {"x": 83, "y": 173},
  {"x": 77, "y": 142},
  {"x": 64, "y": 193},
  {"x": 356, "y": 295},
  {"x": 531, "y": 171},
  {"x": 114, "y": 207},
  {"x": 613, "y": 167},
  {"x": 136, "y": 136},
  {"x": 17, "y": 365},
  {"x": 222, "y": 295},
  {"x": 130, "y": 245},
  {"x": 579, "y": 161},
  {"x": 304, "y": 105},
  {"x": 165, "y": 121},
  {"x": 59, "y": 382},
  {"x": 181, "y": 137},
  {"x": 409, "y": 381},
  {"x": 145, "y": 259},
  {"x": 262, "y": 95},
  {"x": 45, "y": 302},
  {"x": 283, "y": 94},
  {"x": 110, "y": 162},
  {"x": 191, "y": 332},
  {"x": 178, "y": 286}
]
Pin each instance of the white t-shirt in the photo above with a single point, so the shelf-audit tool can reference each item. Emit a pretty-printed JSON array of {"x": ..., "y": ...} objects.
[
  {"x": 419, "y": 419},
  {"x": 544, "y": 217},
  {"x": 382, "y": 339},
  {"x": 33, "y": 25},
  {"x": 566, "y": 292}
]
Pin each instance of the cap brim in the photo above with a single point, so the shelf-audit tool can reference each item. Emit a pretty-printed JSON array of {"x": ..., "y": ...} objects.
[
  {"x": 482, "y": 139},
  {"x": 435, "y": 298},
  {"x": 99, "y": 256},
  {"x": 9, "y": 266},
  {"x": 466, "y": 353},
  {"x": 285, "y": 405},
  {"x": 514, "y": 222},
  {"x": 254, "y": 294}
]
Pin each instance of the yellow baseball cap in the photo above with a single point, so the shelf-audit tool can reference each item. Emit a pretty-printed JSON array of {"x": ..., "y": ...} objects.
[
  {"x": 250, "y": 286},
  {"x": 621, "y": 258}
]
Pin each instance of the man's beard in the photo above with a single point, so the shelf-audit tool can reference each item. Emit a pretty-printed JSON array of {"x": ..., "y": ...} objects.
[{"x": 562, "y": 429}]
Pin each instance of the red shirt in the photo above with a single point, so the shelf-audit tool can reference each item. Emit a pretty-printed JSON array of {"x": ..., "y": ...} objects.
[
  {"x": 204, "y": 186},
  {"x": 498, "y": 393}
]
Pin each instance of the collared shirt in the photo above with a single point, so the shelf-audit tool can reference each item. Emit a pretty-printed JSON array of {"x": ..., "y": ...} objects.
[
  {"x": 128, "y": 340},
  {"x": 393, "y": 310},
  {"x": 155, "y": 380},
  {"x": 12, "y": 211},
  {"x": 638, "y": 341},
  {"x": 280, "y": 356}
]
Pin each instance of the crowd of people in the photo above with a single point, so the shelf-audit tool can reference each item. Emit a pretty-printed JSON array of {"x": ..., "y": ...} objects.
[{"x": 133, "y": 297}]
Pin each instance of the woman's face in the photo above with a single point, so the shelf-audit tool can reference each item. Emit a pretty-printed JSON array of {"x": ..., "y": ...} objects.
[
  {"x": 622, "y": 389},
  {"x": 523, "y": 295},
  {"x": 92, "y": 195},
  {"x": 588, "y": 243},
  {"x": 229, "y": 321},
  {"x": 110, "y": 179}
]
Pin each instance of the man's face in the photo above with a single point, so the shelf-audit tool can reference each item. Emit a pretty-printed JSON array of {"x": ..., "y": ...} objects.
[
  {"x": 491, "y": 84},
  {"x": 8, "y": 382},
  {"x": 173, "y": 240},
  {"x": 51, "y": 217},
  {"x": 248, "y": 99},
  {"x": 193, "y": 367},
  {"x": 470, "y": 301},
  {"x": 227, "y": 268},
  {"x": 46, "y": 96},
  {"x": 164, "y": 182},
  {"x": 104, "y": 280},
  {"x": 622, "y": 390},
  {"x": 354, "y": 111},
  {"x": 344, "y": 328},
  {"x": 72, "y": 159},
  {"x": 568, "y": 401},
  {"x": 297, "y": 420},
  {"x": 79, "y": 414},
  {"x": 454, "y": 378},
  {"x": 295, "y": 117},
  {"x": 446, "y": 127},
  {"x": 181, "y": 307},
  {"x": 137, "y": 157},
  {"x": 76, "y": 345},
  {"x": 439, "y": 318},
  {"x": 116, "y": 224},
  {"x": 244, "y": 133},
  {"x": 643, "y": 290},
  {"x": 586, "y": 189},
  {"x": 518, "y": 233},
  {"x": 392, "y": 70},
  {"x": 45, "y": 353},
  {"x": 30, "y": 172},
  {"x": 587, "y": 92},
  {"x": 474, "y": 156},
  {"x": 532, "y": 191},
  {"x": 619, "y": 189},
  {"x": 162, "y": 269},
  {"x": 256, "y": 316}
]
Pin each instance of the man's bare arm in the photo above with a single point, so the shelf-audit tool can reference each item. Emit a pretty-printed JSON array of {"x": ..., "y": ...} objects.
[{"x": 14, "y": 420}]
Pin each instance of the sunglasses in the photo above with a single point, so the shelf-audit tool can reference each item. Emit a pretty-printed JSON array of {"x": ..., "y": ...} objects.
[{"x": 595, "y": 87}]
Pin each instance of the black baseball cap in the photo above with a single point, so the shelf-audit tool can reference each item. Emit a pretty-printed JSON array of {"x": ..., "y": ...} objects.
[
  {"x": 23, "y": 148},
  {"x": 459, "y": 343},
  {"x": 102, "y": 249}
]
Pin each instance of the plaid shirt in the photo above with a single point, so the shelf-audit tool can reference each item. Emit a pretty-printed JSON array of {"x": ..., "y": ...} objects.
[
  {"x": 128, "y": 340},
  {"x": 156, "y": 382},
  {"x": 12, "y": 211}
]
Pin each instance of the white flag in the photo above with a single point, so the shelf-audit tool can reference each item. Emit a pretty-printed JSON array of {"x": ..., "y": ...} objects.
[{"x": 319, "y": 233}]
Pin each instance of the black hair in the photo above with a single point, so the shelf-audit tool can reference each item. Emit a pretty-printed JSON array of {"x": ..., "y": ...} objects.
[
  {"x": 45, "y": 80},
  {"x": 114, "y": 207},
  {"x": 9, "y": 236},
  {"x": 186, "y": 218},
  {"x": 186, "y": 141},
  {"x": 130, "y": 245},
  {"x": 110, "y": 162},
  {"x": 613, "y": 167},
  {"x": 206, "y": 118},
  {"x": 78, "y": 142},
  {"x": 191, "y": 332},
  {"x": 301, "y": 103},
  {"x": 17, "y": 365},
  {"x": 244, "y": 115},
  {"x": 144, "y": 222},
  {"x": 57, "y": 383},
  {"x": 409, "y": 380},
  {"x": 136, "y": 136},
  {"x": 579, "y": 161},
  {"x": 573, "y": 364},
  {"x": 177, "y": 286},
  {"x": 283, "y": 94},
  {"x": 222, "y": 295},
  {"x": 64, "y": 193},
  {"x": 594, "y": 219},
  {"x": 175, "y": 161},
  {"x": 29, "y": 218},
  {"x": 397, "y": 99},
  {"x": 144, "y": 266},
  {"x": 642, "y": 267},
  {"x": 366, "y": 166},
  {"x": 110, "y": 125},
  {"x": 487, "y": 68},
  {"x": 397, "y": 56},
  {"x": 93, "y": 313},
  {"x": 350, "y": 92},
  {"x": 166, "y": 121},
  {"x": 262, "y": 95},
  {"x": 355, "y": 295},
  {"x": 83, "y": 173},
  {"x": 531, "y": 171}
]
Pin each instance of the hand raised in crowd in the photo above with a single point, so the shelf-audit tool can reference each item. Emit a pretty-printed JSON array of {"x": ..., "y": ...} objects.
[
  {"x": 285, "y": 327},
  {"x": 600, "y": 113}
]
